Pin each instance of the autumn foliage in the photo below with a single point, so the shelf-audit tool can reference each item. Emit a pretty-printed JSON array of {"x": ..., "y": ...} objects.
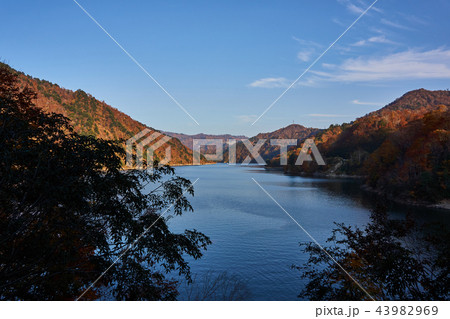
[
  {"x": 89, "y": 116},
  {"x": 68, "y": 212},
  {"x": 402, "y": 149}
]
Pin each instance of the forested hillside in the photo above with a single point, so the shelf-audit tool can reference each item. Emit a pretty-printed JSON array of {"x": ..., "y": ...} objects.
[
  {"x": 402, "y": 149},
  {"x": 90, "y": 116},
  {"x": 268, "y": 151}
]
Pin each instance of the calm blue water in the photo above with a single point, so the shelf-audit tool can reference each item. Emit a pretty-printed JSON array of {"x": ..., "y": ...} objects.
[{"x": 253, "y": 238}]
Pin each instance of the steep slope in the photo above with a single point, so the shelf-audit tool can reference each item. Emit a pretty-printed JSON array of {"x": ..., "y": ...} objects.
[
  {"x": 90, "y": 116},
  {"x": 403, "y": 148},
  {"x": 414, "y": 162},
  {"x": 367, "y": 133}
]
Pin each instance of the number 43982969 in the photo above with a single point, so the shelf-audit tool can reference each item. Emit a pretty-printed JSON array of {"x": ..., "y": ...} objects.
[{"x": 407, "y": 310}]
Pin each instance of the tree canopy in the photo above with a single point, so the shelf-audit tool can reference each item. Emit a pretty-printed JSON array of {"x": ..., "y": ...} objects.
[
  {"x": 390, "y": 259},
  {"x": 68, "y": 211}
]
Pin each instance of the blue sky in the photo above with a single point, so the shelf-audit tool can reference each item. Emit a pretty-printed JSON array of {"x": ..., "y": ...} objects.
[{"x": 227, "y": 61}]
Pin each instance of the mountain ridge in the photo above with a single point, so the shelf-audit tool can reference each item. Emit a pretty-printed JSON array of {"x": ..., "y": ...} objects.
[
  {"x": 89, "y": 116},
  {"x": 187, "y": 139},
  {"x": 268, "y": 151},
  {"x": 402, "y": 150}
]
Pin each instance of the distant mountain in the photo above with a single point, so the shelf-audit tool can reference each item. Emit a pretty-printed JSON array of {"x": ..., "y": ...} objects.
[
  {"x": 187, "y": 140},
  {"x": 90, "y": 116},
  {"x": 403, "y": 148},
  {"x": 293, "y": 131},
  {"x": 268, "y": 151}
]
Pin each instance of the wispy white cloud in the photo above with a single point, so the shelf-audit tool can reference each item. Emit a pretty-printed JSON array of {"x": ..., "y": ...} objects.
[
  {"x": 359, "y": 7},
  {"x": 270, "y": 83},
  {"x": 338, "y": 22},
  {"x": 366, "y": 4},
  {"x": 305, "y": 55},
  {"x": 395, "y": 24},
  {"x": 244, "y": 118},
  {"x": 360, "y": 43},
  {"x": 307, "y": 43},
  {"x": 358, "y": 102},
  {"x": 351, "y": 6},
  {"x": 377, "y": 9},
  {"x": 273, "y": 83},
  {"x": 308, "y": 49},
  {"x": 413, "y": 19},
  {"x": 326, "y": 115},
  {"x": 355, "y": 9},
  {"x": 374, "y": 39},
  {"x": 406, "y": 65}
]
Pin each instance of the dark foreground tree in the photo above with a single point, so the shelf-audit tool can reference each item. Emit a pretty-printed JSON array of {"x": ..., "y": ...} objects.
[
  {"x": 68, "y": 211},
  {"x": 391, "y": 259}
]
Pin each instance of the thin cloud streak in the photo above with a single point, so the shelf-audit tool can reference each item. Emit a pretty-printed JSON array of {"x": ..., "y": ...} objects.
[
  {"x": 326, "y": 115},
  {"x": 357, "y": 9},
  {"x": 307, "y": 42},
  {"x": 351, "y": 7},
  {"x": 406, "y": 65},
  {"x": 305, "y": 55},
  {"x": 375, "y": 39},
  {"x": 270, "y": 83},
  {"x": 277, "y": 83},
  {"x": 395, "y": 25},
  {"x": 315, "y": 61},
  {"x": 244, "y": 118},
  {"x": 358, "y": 102}
]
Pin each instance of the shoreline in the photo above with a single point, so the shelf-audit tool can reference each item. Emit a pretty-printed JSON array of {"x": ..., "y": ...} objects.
[
  {"x": 316, "y": 174},
  {"x": 181, "y": 165},
  {"x": 442, "y": 205},
  {"x": 172, "y": 165}
]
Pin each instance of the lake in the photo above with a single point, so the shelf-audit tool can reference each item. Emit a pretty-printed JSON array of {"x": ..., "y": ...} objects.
[{"x": 254, "y": 239}]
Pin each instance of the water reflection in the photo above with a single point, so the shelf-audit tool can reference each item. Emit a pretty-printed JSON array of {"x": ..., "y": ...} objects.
[{"x": 254, "y": 239}]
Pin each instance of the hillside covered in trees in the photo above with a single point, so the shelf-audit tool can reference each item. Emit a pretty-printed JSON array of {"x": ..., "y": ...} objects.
[
  {"x": 68, "y": 212},
  {"x": 268, "y": 151},
  {"x": 90, "y": 116},
  {"x": 402, "y": 149}
]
